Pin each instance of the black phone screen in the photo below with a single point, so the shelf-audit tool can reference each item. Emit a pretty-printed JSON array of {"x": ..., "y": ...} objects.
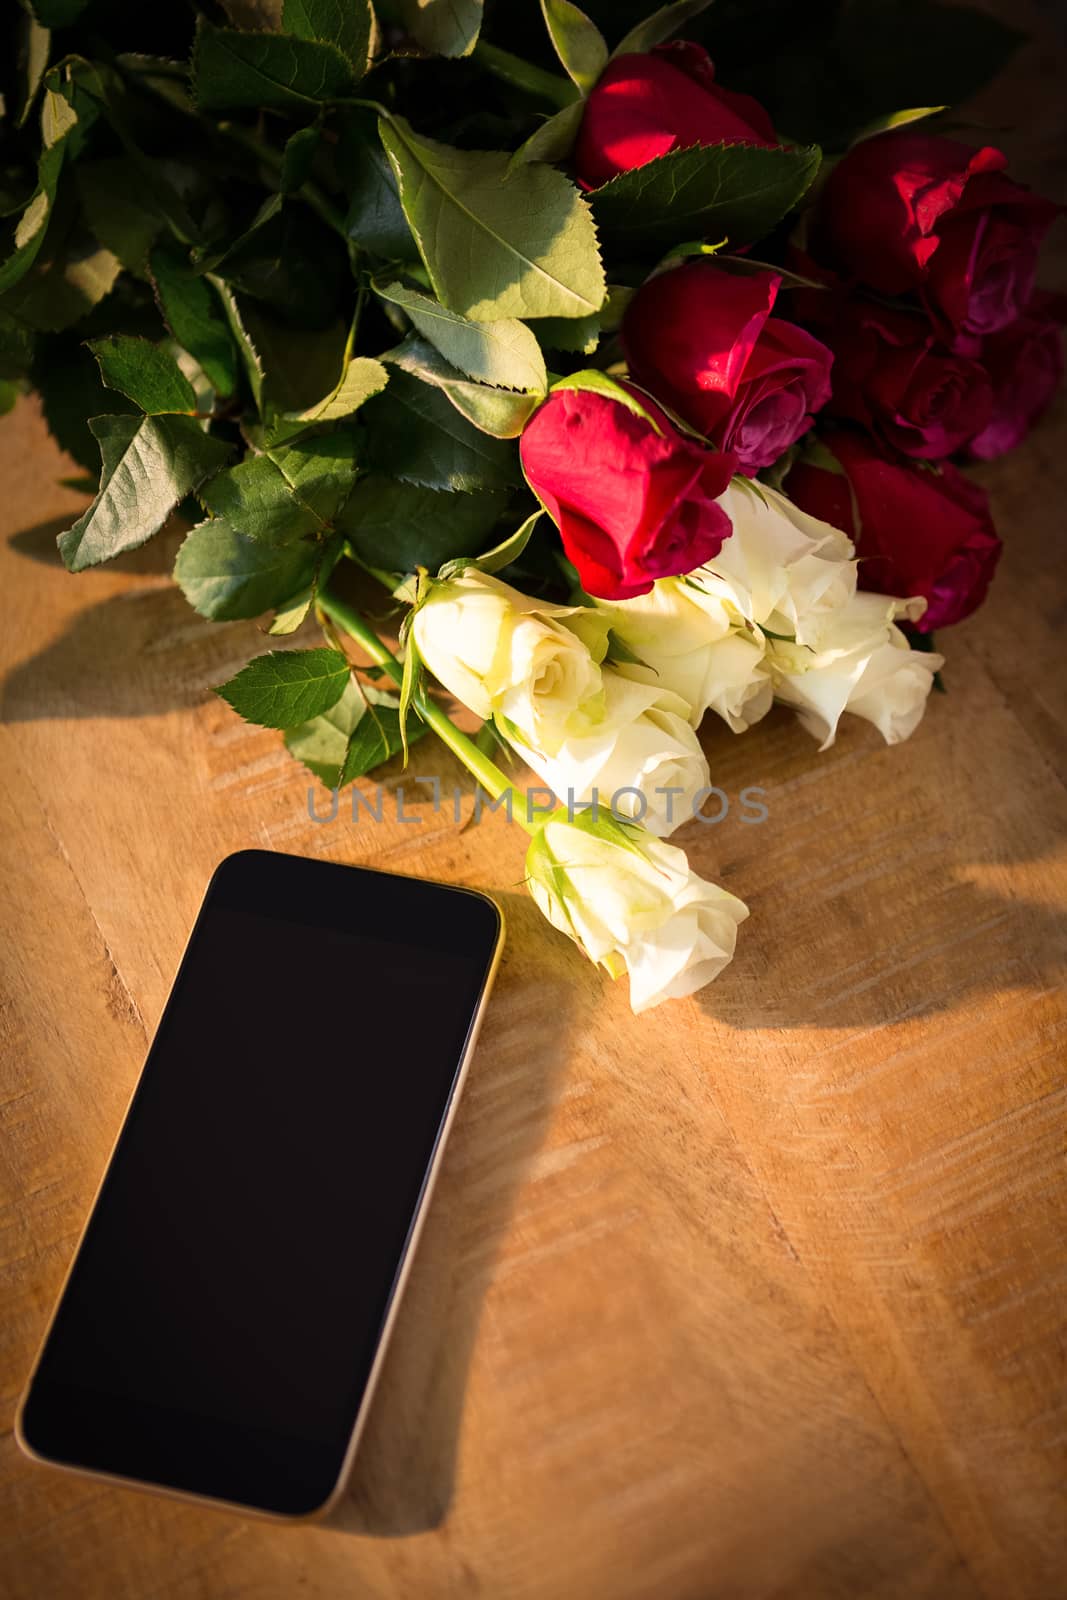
[{"x": 221, "y": 1319}]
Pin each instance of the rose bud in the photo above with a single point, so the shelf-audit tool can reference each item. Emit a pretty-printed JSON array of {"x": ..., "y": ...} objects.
[
  {"x": 858, "y": 661},
  {"x": 893, "y": 376},
  {"x": 911, "y": 210},
  {"x": 917, "y": 531},
  {"x": 633, "y": 904},
  {"x": 1025, "y": 364},
  {"x": 703, "y": 340},
  {"x": 634, "y": 500},
  {"x": 644, "y": 106}
]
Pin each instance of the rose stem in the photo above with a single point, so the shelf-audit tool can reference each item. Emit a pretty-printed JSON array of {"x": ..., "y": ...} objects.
[{"x": 486, "y": 772}]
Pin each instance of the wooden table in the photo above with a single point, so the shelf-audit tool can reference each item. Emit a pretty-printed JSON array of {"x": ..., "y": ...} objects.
[{"x": 760, "y": 1296}]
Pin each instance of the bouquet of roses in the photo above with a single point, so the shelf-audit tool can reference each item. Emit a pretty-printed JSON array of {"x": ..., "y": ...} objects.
[{"x": 642, "y": 404}]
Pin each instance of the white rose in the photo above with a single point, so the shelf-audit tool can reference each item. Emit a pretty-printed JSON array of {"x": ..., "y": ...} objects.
[
  {"x": 858, "y": 661},
  {"x": 643, "y": 759},
  {"x": 696, "y": 645},
  {"x": 633, "y": 904},
  {"x": 780, "y": 569},
  {"x": 500, "y": 652}
]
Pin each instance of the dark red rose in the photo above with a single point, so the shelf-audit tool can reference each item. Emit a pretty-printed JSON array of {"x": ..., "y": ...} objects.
[
  {"x": 918, "y": 530},
  {"x": 634, "y": 500},
  {"x": 704, "y": 342},
  {"x": 1025, "y": 364},
  {"x": 910, "y": 210},
  {"x": 893, "y": 375},
  {"x": 644, "y": 106}
]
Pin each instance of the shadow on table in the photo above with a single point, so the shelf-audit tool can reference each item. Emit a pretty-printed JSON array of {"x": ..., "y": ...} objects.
[
  {"x": 137, "y": 653},
  {"x": 155, "y": 558},
  {"x": 403, "y": 1477}
]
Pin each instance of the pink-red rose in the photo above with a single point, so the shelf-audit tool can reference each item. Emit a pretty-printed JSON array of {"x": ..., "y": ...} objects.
[
  {"x": 917, "y": 530},
  {"x": 633, "y": 499},
  {"x": 908, "y": 210},
  {"x": 703, "y": 340},
  {"x": 644, "y": 106},
  {"x": 893, "y": 375},
  {"x": 1025, "y": 365}
]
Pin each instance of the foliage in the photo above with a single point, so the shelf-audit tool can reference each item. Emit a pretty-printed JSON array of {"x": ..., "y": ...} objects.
[{"x": 319, "y": 272}]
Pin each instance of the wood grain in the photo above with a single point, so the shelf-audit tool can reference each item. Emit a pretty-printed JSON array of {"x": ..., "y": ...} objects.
[{"x": 758, "y": 1298}]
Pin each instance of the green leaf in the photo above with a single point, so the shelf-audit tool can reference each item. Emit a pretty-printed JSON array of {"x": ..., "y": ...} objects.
[
  {"x": 207, "y": 261},
  {"x": 192, "y": 312},
  {"x": 577, "y": 41},
  {"x": 287, "y": 687},
  {"x": 497, "y": 240},
  {"x": 503, "y": 354},
  {"x": 34, "y": 44},
  {"x": 416, "y": 434},
  {"x": 16, "y": 348},
  {"x": 298, "y": 158},
  {"x": 378, "y": 737},
  {"x": 398, "y": 527},
  {"x": 577, "y": 335},
  {"x": 299, "y": 365},
  {"x": 119, "y": 209},
  {"x": 741, "y": 191},
  {"x": 232, "y": 69},
  {"x": 895, "y": 119},
  {"x": 500, "y": 412},
  {"x": 144, "y": 373},
  {"x": 255, "y": 498},
  {"x": 57, "y": 13},
  {"x": 362, "y": 378},
  {"x": 443, "y": 27},
  {"x": 661, "y": 25},
  {"x": 319, "y": 470},
  {"x": 554, "y": 140},
  {"x": 375, "y": 218},
  {"x": 344, "y": 23},
  {"x": 509, "y": 549},
  {"x": 357, "y": 734},
  {"x": 148, "y": 466},
  {"x": 67, "y": 379},
  {"x": 65, "y": 285},
  {"x": 250, "y": 356},
  {"x": 225, "y": 575},
  {"x": 33, "y": 224},
  {"x": 292, "y": 612}
]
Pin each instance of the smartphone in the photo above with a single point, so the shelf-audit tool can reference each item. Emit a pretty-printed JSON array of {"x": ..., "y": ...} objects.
[{"x": 226, "y": 1313}]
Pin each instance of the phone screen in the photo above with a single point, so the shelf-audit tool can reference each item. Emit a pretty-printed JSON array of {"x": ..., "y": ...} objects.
[{"x": 222, "y": 1316}]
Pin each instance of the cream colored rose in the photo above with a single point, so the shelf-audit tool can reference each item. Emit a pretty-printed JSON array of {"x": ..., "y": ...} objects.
[
  {"x": 502, "y": 653},
  {"x": 780, "y": 569},
  {"x": 642, "y": 760},
  {"x": 633, "y": 904},
  {"x": 697, "y": 646},
  {"x": 858, "y": 661}
]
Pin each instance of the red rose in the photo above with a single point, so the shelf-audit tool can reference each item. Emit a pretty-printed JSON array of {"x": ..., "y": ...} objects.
[
  {"x": 704, "y": 341},
  {"x": 893, "y": 375},
  {"x": 632, "y": 503},
  {"x": 643, "y": 106},
  {"x": 917, "y": 530},
  {"x": 913, "y": 211},
  {"x": 1025, "y": 364}
]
